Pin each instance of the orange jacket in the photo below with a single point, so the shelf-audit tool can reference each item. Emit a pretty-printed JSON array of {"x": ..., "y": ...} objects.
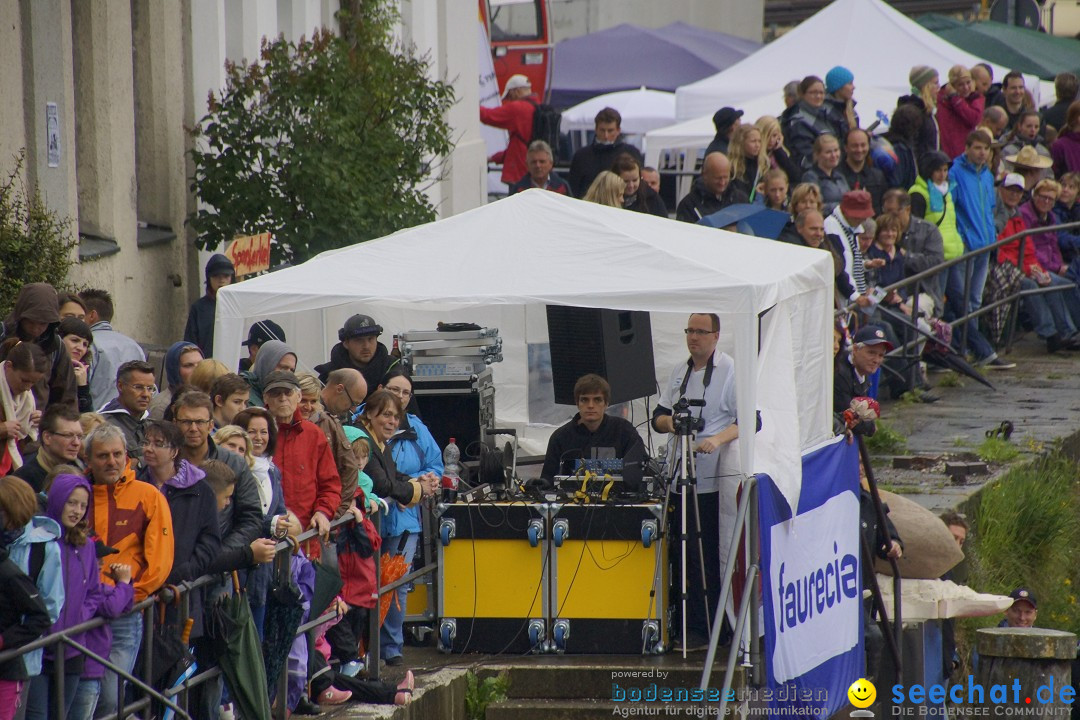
[{"x": 134, "y": 517}]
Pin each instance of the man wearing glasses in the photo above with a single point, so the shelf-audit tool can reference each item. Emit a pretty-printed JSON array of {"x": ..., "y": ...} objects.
[
  {"x": 129, "y": 409},
  {"x": 61, "y": 440},
  {"x": 707, "y": 375},
  {"x": 345, "y": 389}
]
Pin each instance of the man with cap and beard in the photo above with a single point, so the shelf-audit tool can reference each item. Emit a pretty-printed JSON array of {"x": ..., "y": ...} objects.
[
  {"x": 261, "y": 332},
  {"x": 361, "y": 350},
  {"x": 35, "y": 319},
  {"x": 200, "y": 323},
  {"x": 273, "y": 355},
  {"x": 725, "y": 120}
]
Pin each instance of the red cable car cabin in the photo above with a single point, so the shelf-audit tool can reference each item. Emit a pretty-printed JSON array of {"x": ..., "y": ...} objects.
[{"x": 520, "y": 34}]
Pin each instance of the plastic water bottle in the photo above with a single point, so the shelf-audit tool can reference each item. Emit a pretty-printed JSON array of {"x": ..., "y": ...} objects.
[{"x": 451, "y": 470}]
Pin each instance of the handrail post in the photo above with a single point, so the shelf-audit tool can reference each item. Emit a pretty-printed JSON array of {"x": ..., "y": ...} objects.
[
  {"x": 59, "y": 712},
  {"x": 966, "y": 305},
  {"x": 373, "y": 617}
]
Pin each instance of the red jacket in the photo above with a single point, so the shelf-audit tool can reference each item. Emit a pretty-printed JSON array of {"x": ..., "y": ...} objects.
[
  {"x": 1011, "y": 251},
  {"x": 309, "y": 477},
  {"x": 515, "y": 116},
  {"x": 956, "y": 117}
]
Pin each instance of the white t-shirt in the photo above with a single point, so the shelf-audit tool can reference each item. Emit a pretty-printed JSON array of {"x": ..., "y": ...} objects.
[{"x": 719, "y": 413}]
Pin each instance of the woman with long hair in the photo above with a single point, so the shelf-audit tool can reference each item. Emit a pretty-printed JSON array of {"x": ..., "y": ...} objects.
[
  {"x": 637, "y": 196},
  {"x": 924, "y": 96},
  {"x": 78, "y": 338},
  {"x": 749, "y": 161},
  {"x": 607, "y": 189},
  {"x": 24, "y": 366},
  {"x": 772, "y": 142}
]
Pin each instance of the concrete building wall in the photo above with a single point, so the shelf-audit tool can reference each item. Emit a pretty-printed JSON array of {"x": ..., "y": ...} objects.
[
  {"x": 573, "y": 18},
  {"x": 112, "y": 111}
]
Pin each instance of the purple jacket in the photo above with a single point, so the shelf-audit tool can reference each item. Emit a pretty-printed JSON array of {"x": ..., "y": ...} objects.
[
  {"x": 1047, "y": 252},
  {"x": 82, "y": 581},
  {"x": 1066, "y": 153},
  {"x": 115, "y": 601}
]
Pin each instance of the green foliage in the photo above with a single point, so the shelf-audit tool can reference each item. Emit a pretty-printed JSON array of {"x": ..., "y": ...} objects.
[
  {"x": 479, "y": 694},
  {"x": 951, "y": 379},
  {"x": 1025, "y": 533},
  {"x": 996, "y": 450},
  {"x": 323, "y": 143},
  {"x": 35, "y": 242},
  {"x": 886, "y": 441}
]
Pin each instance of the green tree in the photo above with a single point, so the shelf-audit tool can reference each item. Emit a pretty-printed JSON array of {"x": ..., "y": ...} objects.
[
  {"x": 35, "y": 242},
  {"x": 323, "y": 143}
]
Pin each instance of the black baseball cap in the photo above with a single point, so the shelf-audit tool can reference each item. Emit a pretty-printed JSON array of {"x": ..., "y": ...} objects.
[
  {"x": 359, "y": 326},
  {"x": 264, "y": 331},
  {"x": 725, "y": 117},
  {"x": 872, "y": 335},
  {"x": 1022, "y": 593}
]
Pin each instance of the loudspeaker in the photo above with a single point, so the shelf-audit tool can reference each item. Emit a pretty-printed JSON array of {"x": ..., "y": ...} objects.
[{"x": 615, "y": 344}]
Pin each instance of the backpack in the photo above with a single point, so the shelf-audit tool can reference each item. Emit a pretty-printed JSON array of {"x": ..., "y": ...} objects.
[{"x": 545, "y": 125}]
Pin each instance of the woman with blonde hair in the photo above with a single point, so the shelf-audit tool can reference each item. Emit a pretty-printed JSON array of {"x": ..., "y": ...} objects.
[
  {"x": 607, "y": 189},
  {"x": 205, "y": 373},
  {"x": 960, "y": 108},
  {"x": 310, "y": 389},
  {"x": 772, "y": 143},
  {"x": 749, "y": 162},
  {"x": 805, "y": 196},
  {"x": 235, "y": 438}
]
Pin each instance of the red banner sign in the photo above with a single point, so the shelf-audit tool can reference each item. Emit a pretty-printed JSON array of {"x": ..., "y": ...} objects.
[{"x": 250, "y": 253}]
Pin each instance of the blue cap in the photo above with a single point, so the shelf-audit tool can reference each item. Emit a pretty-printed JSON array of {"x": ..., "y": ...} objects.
[{"x": 837, "y": 78}]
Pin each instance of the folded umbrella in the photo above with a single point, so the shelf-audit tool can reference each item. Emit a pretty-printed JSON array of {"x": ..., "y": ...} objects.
[{"x": 239, "y": 653}]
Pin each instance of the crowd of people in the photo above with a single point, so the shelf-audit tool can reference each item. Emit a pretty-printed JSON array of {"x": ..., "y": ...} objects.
[
  {"x": 960, "y": 165},
  {"x": 115, "y": 492}
]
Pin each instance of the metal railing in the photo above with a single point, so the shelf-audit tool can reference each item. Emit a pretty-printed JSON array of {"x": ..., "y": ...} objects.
[
  {"x": 175, "y": 698},
  {"x": 935, "y": 274}
]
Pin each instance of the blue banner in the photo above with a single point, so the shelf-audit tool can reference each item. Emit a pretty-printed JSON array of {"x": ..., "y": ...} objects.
[{"x": 812, "y": 583}]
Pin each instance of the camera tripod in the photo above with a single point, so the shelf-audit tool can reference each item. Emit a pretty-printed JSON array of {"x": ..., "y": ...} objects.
[{"x": 684, "y": 476}]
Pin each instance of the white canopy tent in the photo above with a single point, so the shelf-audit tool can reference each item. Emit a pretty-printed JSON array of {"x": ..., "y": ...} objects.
[
  {"x": 691, "y": 136},
  {"x": 877, "y": 43},
  {"x": 500, "y": 264},
  {"x": 642, "y": 110}
]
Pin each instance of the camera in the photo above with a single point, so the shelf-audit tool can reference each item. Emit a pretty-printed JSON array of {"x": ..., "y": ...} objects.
[{"x": 682, "y": 418}]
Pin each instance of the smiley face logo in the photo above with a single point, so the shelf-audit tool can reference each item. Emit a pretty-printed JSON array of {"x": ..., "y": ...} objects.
[{"x": 862, "y": 693}]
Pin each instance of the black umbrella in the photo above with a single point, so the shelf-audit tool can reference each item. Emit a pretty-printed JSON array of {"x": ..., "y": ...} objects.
[
  {"x": 236, "y": 644},
  {"x": 938, "y": 349},
  {"x": 284, "y": 609}
]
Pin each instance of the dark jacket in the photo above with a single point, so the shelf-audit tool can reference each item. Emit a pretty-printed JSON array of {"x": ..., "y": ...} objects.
[
  {"x": 386, "y": 481},
  {"x": 574, "y": 441},
  {"x": 1054, "y": 116},
  {"x": 783, "y": 161},
  {"x": 646, "y": 200},
  {"x": 846, "y": 386},
  {"x": 374, "y": 372},
  {"x": 801, "y": 125},
  {"x": 32, "y": 473},
  {"x": 869, "y": 179},
  {"x": 894, "y": 156},
  {"x": 260, "y": 576},
  {"x": 923, "y": 249},
  {"x": 244, "y": 519},
  {"x": 555, "y": 184},
  {"x": 835, "y": 112},
  {"x": 720, "y": 143},
  {"x": 591, "y": 160},
  {"x": 927, "y": 139},
  {"x": 200, "y": 324},
  {"x": 833, "y": 187},
  {"x": 196, "y": 535},
  {"x": 132, "y": 426},
  {"x": 700, "y": 202},
  {"x": 38, "y": 302},
  {"x": 878, "y": 538},
  {"x": 23, "y": 617}
]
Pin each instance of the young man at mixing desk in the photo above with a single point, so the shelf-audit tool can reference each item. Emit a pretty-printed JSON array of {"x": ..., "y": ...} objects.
[{"x": 593, "y": 434}]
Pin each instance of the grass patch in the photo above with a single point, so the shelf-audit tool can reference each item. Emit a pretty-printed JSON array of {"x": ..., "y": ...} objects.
[
  {"x": 900, "y": 489},
  {"x": 886, "y": 441},
  {"x": 996, "y": 450},
  {"x": 961, "y": 441},
  {"x": 1024, "y": 533},
  {"x": 951, "y": 379},
  {"x": 481, "y": 693}
]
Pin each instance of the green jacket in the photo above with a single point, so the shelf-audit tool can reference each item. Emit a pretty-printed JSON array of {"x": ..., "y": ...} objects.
[{"x": 944, "y": 217}]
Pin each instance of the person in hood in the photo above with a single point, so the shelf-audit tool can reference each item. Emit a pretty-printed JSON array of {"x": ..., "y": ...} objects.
[
  {"x": 35, "y": 319},
  {"x": 23, "y": 615},
  {"x": 111, "y": 349},
  {"x": 180, "y": 361},
  {"x": 68, "y": 504},
  {"x": 197, "y": 538},
  {"x": 34, "y": 552},
  {"x": 134, "y": 518},
  {"x": 361, "y": 350},
  {"x": 590, "y": 160},
  {"x": 200, "y": 323},
  {"x": 273, "y": 355},
  {"x": 259, "y": 333}
]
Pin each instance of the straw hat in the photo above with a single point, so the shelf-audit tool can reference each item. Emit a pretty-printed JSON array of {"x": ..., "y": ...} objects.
[{"x": 1028, "y": 157}]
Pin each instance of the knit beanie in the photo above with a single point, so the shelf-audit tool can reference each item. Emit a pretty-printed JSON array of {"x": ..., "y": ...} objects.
[
  {"x": 920, "y": 75},
  {"x": 837, "y": 78}
]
